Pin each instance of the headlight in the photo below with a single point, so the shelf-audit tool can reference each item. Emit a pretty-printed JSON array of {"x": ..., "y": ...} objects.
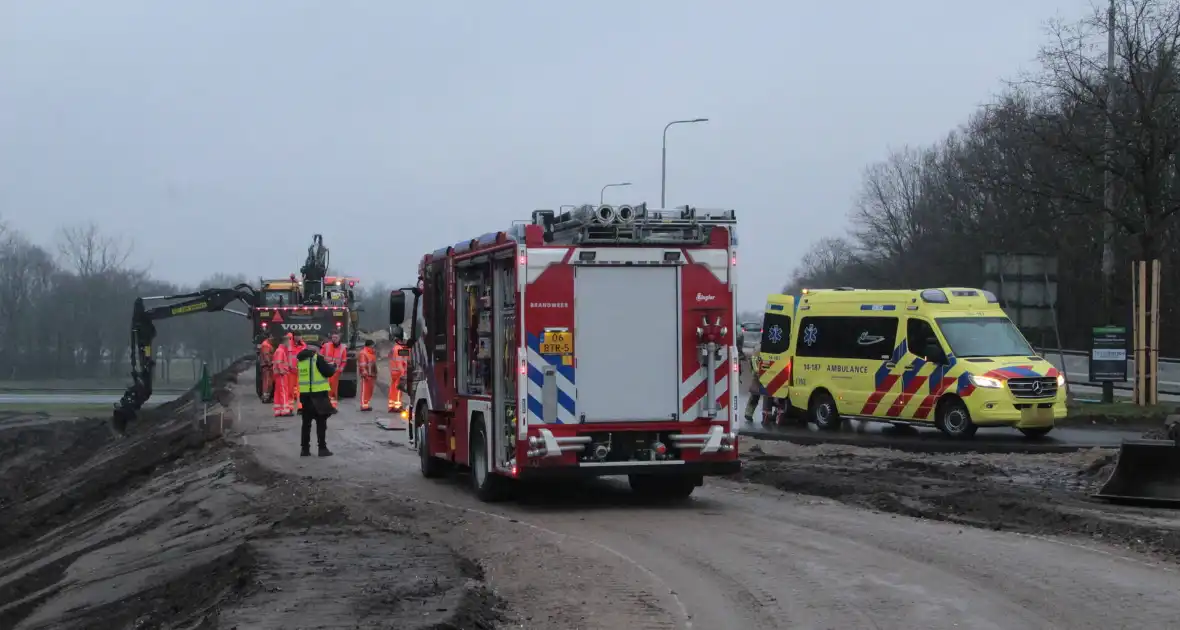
[
  {"x": 1060, "y": 380},
  {"x": 985, "y": 381}
]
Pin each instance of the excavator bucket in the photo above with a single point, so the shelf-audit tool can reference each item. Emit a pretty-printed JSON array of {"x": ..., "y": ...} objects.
[{"x": 1147, "y": 472}]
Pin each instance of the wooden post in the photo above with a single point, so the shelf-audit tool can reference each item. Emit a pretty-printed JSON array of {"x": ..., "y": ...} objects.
[
  {"x": 1138, "y": 317},
  {"x": 1153, "y": 346}
]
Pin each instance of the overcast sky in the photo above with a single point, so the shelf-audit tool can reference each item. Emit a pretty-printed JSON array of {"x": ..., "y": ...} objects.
[{"x": 220, "y": 135}]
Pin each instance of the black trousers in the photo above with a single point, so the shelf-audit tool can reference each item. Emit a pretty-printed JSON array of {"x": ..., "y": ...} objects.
[{"x": 321, "y": 425}]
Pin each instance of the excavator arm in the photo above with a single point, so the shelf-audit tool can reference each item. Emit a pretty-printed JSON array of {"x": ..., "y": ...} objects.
[
  {"x": 143, "y": 334},
  {"x": 315, "y": 269}
]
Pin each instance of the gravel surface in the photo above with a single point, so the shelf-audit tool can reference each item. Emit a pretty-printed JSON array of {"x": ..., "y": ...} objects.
[
  {"x": 1039, "y": 494},
  {"x": 165, "y": 529}
]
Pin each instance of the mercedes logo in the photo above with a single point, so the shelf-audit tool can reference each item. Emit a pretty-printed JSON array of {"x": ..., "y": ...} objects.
[{"x": 1036, "y": 387}]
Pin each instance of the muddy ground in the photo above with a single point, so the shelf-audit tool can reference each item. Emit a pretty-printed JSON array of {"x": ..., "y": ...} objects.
[
  {"x": 172, "y": 527},
  {"x": 1034, "y": 494}
]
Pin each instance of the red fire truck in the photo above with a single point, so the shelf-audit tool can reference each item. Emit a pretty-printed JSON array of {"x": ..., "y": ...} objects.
[{"x": 593, "y": 342}]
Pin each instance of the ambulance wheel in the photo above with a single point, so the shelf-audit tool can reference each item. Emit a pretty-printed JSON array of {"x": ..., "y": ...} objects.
[
  {"x": 347, "y": 389},
  {"x": 822, "y": 411},
  {"x": 954, "y": 420},
  {"x": 489, "y": 487},
  {"x": 663, "y": 487},
  {"x": 432, "y": 467},
  {"x": 1036, "y": 433}
]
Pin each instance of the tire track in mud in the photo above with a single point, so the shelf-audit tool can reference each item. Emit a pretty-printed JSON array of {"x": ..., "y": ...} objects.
[
  {"x": 637, "y": 609},
  {"x": 567, "y": 581}
]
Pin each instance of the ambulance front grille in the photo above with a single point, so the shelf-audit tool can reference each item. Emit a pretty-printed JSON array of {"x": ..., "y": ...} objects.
[{"x": 1033, "y": 387}]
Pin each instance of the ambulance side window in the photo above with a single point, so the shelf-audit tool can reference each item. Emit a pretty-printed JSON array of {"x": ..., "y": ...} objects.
[
  {"x": 776, "y": 333},
  {"x": 921, "y": 340},
  {"x": 840, "y": 337}
]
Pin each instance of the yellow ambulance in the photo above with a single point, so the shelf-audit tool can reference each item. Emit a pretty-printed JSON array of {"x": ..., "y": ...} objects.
[{"x": 947, "y": 357}]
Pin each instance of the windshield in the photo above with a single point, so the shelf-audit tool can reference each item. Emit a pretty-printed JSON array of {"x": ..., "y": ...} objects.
[
  {"x": 278, "y": 298},
  {"x": 983, "y": 337}
]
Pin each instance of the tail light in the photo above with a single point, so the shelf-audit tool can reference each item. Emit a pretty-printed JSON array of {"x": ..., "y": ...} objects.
[
  {"x": 264, "y": 325},
  {"x": 339, "y": 324}
]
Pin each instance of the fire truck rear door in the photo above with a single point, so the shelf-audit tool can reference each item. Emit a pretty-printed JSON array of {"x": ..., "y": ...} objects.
[{"x": 626, "y": 323}]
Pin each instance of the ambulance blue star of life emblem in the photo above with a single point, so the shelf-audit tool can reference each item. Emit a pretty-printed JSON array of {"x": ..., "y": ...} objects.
[
  {"x": 776, "y": 334},
  {"x": 810, "y": 334}
]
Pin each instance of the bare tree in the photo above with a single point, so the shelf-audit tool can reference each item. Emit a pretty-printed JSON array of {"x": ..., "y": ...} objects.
[
  {"x": 888, "y": 217},
  {"x": 86, "y": 251},
  {"x": 1138, "y": 105}
]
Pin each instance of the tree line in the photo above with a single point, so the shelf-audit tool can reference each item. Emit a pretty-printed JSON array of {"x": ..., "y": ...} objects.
[
  {"x": 1030, "y": 173},
  {"x": 65, "y": 310}
]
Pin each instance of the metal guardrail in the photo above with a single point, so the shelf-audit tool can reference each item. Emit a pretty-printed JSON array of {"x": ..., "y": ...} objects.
[
  {"x": 1122, "y": 387},
  {"x": 1083, "y": 353}
]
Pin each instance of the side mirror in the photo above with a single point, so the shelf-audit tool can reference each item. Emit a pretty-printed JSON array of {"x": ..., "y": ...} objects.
[
  {"x": 397, "y": 307},
  {"x": 934, "y": 351}
]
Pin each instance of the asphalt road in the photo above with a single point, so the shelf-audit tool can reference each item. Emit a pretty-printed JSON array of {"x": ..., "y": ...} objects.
[{"x": 737, "y": 556}]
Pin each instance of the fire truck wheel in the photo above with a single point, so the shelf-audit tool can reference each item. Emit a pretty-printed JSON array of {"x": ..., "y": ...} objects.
[
  {"x": 432, "y": 467},
  {"x": 489, "y": 487},
  {"x": 661, "y": 487},
  {"x": 822, "y": 411}
]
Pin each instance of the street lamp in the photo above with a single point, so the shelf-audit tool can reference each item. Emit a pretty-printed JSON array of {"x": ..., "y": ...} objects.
[
  {"x": 602, "y": 193},
  {"x": 664, "y": 158}
]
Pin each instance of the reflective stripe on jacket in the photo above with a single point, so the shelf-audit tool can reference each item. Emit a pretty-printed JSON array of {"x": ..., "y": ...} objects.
[
  {"x": 293, "y": 355},
  {"x": 397, "y": 363},
  {"x": 366, "y": 362},
  {"x": 279, "y": 361},
  {"x": 335, "y": 354},
  {"x": 311, "y": 380}
]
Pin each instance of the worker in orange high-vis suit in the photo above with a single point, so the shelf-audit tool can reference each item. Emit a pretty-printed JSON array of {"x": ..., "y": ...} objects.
[
  {"x": 399, "y": 362},
  {"x": 281, "y": 364},
  {"x": 366, "y": 367},
  {"x": 336, "y": 354},
  {"x": 296, "y": 346},
  {"x": 266, "y": 351}
]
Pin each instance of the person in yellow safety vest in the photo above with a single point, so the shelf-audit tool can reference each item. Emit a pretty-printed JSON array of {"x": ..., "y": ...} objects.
[
  {"x": 399, "y": 364},
  {"x": 337, "y": 354},
  {"x": 314, "y": 371}
]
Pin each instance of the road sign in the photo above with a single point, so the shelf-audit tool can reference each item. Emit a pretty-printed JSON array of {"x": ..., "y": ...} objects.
[{"x": 1108, "y": 354}]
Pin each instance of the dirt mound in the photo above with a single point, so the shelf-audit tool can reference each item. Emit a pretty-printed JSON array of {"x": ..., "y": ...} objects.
[
  {"x": 1040, "y": 494},
  {"x": 167, "y": 529}
]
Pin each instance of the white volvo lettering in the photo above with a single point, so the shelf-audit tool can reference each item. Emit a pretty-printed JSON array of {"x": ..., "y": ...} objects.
[{"x": 303, "y": 326}]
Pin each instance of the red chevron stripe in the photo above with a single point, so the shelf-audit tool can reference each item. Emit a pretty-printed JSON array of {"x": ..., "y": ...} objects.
[
  {"x": 904, "y": 397},
  {"x": 927, "y": 404},
  {"x": 778, "y": 381},
  {"x": 879, "y": 394}
]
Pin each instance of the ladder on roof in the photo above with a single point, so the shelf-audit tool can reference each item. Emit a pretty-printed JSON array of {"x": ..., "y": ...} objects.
[{"x": 625, "y": 225}]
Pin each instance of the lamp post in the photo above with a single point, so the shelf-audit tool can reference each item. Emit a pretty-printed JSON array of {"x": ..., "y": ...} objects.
[
  {"x": 664, "y": 156},
  {"x": 602, "y": 193}
]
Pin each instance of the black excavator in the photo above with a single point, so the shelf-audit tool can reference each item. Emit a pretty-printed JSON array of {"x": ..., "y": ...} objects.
[{"x": 143, "y": 334}]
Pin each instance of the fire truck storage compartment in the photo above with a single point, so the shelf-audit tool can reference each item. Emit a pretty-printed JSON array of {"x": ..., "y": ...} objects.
[{"x": 626, "y": 342}]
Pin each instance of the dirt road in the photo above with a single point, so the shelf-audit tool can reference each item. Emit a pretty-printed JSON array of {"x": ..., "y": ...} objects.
[{"x": 738, "y": 556}]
